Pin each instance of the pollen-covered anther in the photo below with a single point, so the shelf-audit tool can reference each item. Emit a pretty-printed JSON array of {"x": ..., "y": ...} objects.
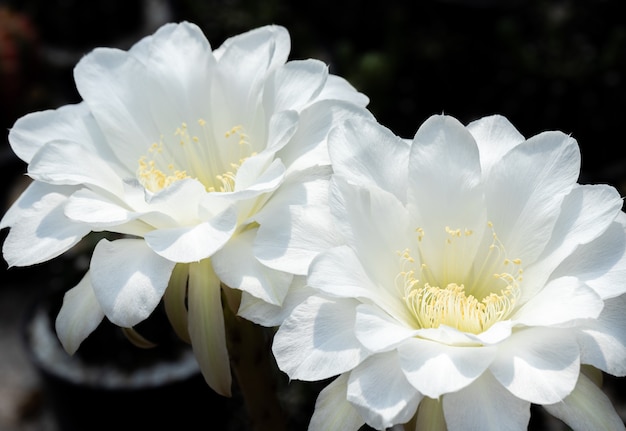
[{"x": 470, "y": 301}]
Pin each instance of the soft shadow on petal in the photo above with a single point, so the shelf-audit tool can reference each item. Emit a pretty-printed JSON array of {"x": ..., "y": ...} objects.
[
  {"x": 485, "y": 405},
  {"x": 370, "y": 155},
  {"x": 129, "y": 279},
  {"x": 206, "y": 327},
  {"x": 294, "y": 85},
  {"x": 37, "y": 220},
  {"x": 317, "y": 340},
  {"x": 436, "y": 369},
  {"x": 237, "y": 267},
  {"x": 603, "y": 340},
  {"x": 587, "y": 408},
  {"x": 263, "y": 313},
  {"x": 539, "y": 365},
  {"x": 79, "y": 315},
  {"x": 380, "y": 392},
  {"x": 333, "y": 412},
  {"x": 495, "y": 136},
  {"x": 575, "y": 301}
]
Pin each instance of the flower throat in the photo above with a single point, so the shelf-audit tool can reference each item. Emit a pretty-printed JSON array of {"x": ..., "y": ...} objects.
[{"x": 486, "y": 294}]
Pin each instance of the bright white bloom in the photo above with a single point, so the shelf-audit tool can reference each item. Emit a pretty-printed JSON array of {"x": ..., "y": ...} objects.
[
  {"x": 185, "y": 151},
  {"x": 476, "y": 277}
]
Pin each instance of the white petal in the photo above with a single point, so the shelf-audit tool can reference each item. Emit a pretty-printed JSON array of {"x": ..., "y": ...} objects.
[
  {"x": 495, "y": 136},
  {"x": 308, "y": 146},
  {"x": 40, "y": 230},
  {"x": 539, "y": 365},
  {"x": 237, "y": 267},
  {"x": 586, "y": 213},
  {"x": 338, "y": 272},
  {"x": 317, "y": 340},
  {"x": 379, "y": 228},
  {"x": 33, "y": 130},
  {"x": 114, "y": 86},
  {"x": 378, "y": 331},
  {"x": 601, "y": 264},
  {"x": 79, "y": 315},
  {"x": 192, "y": 244},
  {"x": 266, "y": 314},
  {"x": 333, "y": 412},
  {"x": 244, "y": 62},
  {"x": 525, "y": 189},
  {"x": 485, "y": 405},
  {"x": 206, "y": 327},
  {"x": 96, "y": 209},
  {"x": 380, "y": 392},
  {"x": 268, "y": 181},
  {"x": 294, "y": 85},
  {"x": 603, "y": 340},
  {"x": 436, "y": 369},
  {"x": 587, "y": 408},
  {"x": 71, "y": 163},
  {"x": 575, "y": 301},
  {"x": 337, "y": 88},
  {"x": 290, "y": 239},
  {"x": 368, "y": 154},
  {"x": 444, "y": 170},
  {"x": 128, "y": 279}
]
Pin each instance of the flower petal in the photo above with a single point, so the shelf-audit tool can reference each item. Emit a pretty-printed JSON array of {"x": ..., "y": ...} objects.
[
  {"x": 435, "y": 369},
  {"x": 348, "y": 280},
  {"x": 603, "y": 340},
  {"x": 444, "y": 170},
  {"x": 266, "y": 314},
  {"x": 601, "y": 264},
  {"x": 380, "y": 392},
  {"x": 317, "y": 340},
  {"x": 175, "y": 301},
  {"x": 37, "y": 219},
  {"x": 338, "y": 88},
  {"x": 378, "y": 331},
  {"x": 79, "y": 315},
  {"x": 309, "y": 146},
  {"x": 192, "y": 244},
  {"x": 333, "y": 412},
  {"x": 525, "y": 189},
  {"x": 539, "y": 365},
  {"x": 575, "y": 299},
  {"x": 495, "y": 136},
  {"x": 236, "y": 266},
  {"x": 70, "y": 163},
  {"x": 206, "y": 327},
  {"x": 485, "y": 405},
  {"x": 587, "y": 408},
  {"x": 128, "y": 279},
  {"x": 33, "y": 130},
  {"x": 382, "y": 165},
  {"x": 294, "y": 85},
  {"x": 586, "y": 213}
]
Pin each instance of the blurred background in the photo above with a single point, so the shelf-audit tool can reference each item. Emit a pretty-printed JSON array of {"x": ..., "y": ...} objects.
[{"x": 545, "y": 65}]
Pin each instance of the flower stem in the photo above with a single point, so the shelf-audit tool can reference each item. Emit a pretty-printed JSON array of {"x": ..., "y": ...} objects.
[{"x": 251, "y": 362}]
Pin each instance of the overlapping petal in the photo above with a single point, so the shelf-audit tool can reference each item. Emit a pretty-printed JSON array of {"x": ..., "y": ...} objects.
[{"x": 79, "y": 316}]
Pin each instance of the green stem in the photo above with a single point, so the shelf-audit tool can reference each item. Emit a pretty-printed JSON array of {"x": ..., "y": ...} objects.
[{"x": 251, "y": 362}]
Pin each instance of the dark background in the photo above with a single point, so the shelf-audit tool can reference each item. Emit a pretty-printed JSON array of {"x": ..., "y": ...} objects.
[{"x": 545, "y": 65}]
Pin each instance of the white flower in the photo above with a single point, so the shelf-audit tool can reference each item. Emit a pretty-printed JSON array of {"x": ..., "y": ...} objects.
[
  {"x": 476, "y": 277},
  {"x": 186, "y": 152}
]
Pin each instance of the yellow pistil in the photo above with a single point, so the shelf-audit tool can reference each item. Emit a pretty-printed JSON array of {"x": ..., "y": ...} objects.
[
  {"x": 487, "y": 295},
  {"x": 199, "y": 155}
]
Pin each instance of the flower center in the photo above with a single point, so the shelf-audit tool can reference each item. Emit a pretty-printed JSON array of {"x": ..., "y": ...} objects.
[
  {"x": 486, "y": 294},
  {"x": 192, "y": 152}
]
